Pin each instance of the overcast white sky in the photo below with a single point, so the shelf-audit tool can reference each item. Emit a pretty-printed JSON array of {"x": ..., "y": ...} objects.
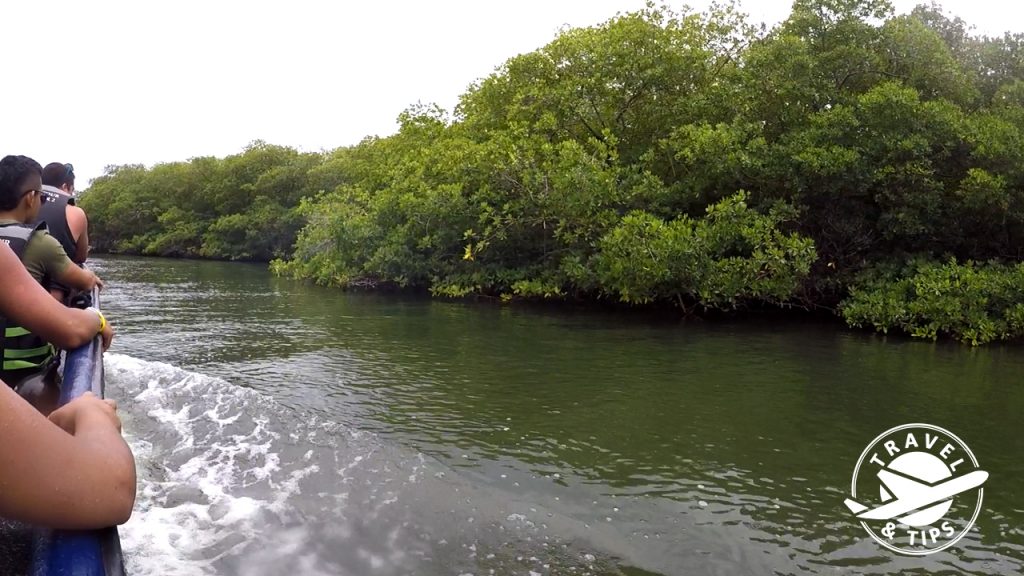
[{"x": 118, "y": 82}]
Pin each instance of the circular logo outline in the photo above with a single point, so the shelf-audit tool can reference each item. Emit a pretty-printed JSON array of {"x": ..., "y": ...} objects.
[{"x": 977, "y": 507}]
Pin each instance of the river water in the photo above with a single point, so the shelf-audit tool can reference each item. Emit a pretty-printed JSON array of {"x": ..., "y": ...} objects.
[{"x": 282, "y": 428}]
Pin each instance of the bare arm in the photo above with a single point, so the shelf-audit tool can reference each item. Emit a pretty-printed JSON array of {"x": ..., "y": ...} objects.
[
  {"x": 73, "y": 470},
  {"x": 76, "y": 277},
  {"x": 78, "y": 223},
  {"x": 76, "y": 474},
  {"x": 28, "y": 304}
]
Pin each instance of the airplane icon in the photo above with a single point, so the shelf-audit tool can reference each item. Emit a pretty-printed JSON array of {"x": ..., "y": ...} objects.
[{"x": 913, "y": 494}]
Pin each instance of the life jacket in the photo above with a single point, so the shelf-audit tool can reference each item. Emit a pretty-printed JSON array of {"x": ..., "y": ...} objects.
[
  {"x": 23, "y": 352},
  {"x": 54, "y": 212}
]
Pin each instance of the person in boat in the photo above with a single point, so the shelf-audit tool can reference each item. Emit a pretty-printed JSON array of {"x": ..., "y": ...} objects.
[
  {"x": 30, "y": 364},
  {"x": 65, "y": 221},
  {"x": 73, "y": 469}
]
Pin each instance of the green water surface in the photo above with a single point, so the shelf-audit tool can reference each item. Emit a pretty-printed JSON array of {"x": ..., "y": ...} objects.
[{"x": 672, "y": 446}]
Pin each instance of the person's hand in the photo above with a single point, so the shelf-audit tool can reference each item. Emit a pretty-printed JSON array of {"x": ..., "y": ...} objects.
[
  {"x": 85, "y": 406},
  {"x": 99, "y": 282},
  {"x": 108, "y": 336}
]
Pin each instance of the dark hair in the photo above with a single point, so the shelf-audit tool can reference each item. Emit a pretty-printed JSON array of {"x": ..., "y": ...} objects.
[
  {"x": 13, "y": 172},
  {"x": 57, "y": 174}
]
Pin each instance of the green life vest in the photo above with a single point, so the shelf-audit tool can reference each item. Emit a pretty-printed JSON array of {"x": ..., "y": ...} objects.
[{"x": 23, "y": 351}]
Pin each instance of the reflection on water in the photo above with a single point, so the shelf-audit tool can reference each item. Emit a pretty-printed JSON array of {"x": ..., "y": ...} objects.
[{"x": 640, "y": 446}]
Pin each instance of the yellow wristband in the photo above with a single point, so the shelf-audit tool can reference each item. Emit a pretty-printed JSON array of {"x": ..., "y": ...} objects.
[{"x": 103, "y": 321}]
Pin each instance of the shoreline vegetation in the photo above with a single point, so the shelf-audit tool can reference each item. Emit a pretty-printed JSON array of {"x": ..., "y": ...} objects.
[{"x": 847, "y": 160}]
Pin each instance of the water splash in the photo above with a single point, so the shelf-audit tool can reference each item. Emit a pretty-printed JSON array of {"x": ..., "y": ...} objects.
[{"x": 231, "y": 482}]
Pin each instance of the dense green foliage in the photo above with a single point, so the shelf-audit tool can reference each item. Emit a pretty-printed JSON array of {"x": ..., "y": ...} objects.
[
  {"x": 668, "y": 157},
  {"x": 243, "y": 207},
  {"x": 975, "y": 304}
]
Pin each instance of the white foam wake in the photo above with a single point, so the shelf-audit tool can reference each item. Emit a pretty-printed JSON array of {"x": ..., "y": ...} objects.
[
  {"x": 218, "y": 466},
  {"x": 233, "y": 482}
]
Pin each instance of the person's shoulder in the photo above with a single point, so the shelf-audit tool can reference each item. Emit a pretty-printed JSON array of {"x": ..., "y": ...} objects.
[
  {"x": 39, "y": 248},
  {"x": 43, "y": 240},
  {"x": 74, "y": 211},
  {"x": 42, "y": 237},
  {"x": 47, "y": 251}
]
